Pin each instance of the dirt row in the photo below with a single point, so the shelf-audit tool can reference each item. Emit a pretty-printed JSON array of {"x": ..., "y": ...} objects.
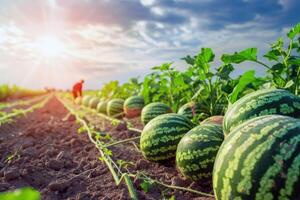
[{"x": 44, "y": 151}]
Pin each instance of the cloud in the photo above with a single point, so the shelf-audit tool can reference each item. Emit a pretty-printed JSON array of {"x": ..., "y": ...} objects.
[{"x": 118, "y": 39}]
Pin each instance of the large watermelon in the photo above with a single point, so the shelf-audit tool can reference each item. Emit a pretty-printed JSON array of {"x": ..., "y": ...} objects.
[
  {"x": 262, "y": 102},
  {"x": 161, "y": 135},
  {"x": 102, "y": 107},
  {"x": 190, "y": 110},
  {"x": 260, "y": 160},
  {"x": 153, "y": 110},
  {"x": 94, "y": 102},
  {"x": 197, "y": 150},
  {"x": 115, "y": 107},
  {"x": 86, "y": 100},
  {"x": 133, "y": 106}
]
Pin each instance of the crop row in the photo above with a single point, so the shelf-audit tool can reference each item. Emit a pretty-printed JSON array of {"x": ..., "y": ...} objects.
[
  {"x": 255, "y": 118},
  {"x": 38, "y": 103},
  {"x": 106, "y": 154},
  {"x": 248, "y": 140}
]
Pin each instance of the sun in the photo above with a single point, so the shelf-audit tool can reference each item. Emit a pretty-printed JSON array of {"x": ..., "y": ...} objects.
[{"x": 50, "y": 46}]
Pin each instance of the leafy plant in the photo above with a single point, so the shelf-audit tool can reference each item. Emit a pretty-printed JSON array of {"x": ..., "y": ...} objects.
[
  {"x": 284, "y": 70},
  {"x": 113, "y": 89}
]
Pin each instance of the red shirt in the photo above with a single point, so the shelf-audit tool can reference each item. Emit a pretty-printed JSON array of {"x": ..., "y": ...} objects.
[{"x": 77, "y": 87}]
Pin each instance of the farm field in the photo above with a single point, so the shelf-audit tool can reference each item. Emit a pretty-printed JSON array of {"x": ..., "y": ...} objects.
[
  {"x": 64, "y": 163},
  {"x": 148, "y": 99}
]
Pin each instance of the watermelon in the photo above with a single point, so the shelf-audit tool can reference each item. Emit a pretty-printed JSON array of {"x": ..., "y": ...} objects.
[
  {"x": 153, "y": 110},
  {"x": 102, "y": 107},
  {"x": 262, "y": 102},
  {"x": 93, "y": 102},
  {"x": 133, "y": 106},
  {"x": 190, "y": 110},
  {"x": 86, "y": 100},
  {"x": 260, "y": 159},
  {"x": 218, "y": 119},
  {"x": 161, "y": 135},
  {"x": 197, "y": 150},
  {"x": 115, "y": 107}
]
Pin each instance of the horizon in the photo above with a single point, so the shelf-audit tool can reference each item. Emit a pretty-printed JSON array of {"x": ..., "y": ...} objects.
[{"x": 56, "y": 43}]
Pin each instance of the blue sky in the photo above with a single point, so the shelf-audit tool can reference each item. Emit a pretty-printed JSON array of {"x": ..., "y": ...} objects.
[{"x": 117, "y": 39}]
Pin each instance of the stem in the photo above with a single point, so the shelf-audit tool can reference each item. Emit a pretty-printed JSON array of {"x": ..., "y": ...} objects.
[
  {"x": 108, "y": 161},
  {"x": 131, "y": 189},
  {"x": 122, "y": 141},
  {"x": 266, "y": 66},
  {"x": 288, "y": 53},
  {"x": 296, "y": 83},
  {"x": 184, "y": 189},
  {"x": 263, "y": 64},
  {"x": 171, "y": 186},
  {"x": 134, "y": 129}
]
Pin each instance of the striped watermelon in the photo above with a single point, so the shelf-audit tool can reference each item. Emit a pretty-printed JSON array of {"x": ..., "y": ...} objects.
[
  {"x": 190, "y": 110},
  {"x": 115, "y": 107},
  {"x": 161, "y": 135},
  {"x": 153, "y": 110},
  {"x": 133, "y": 106},
  {"x": 218, "y": 119},
  {"x": 86, "y": 100},
  {"x": 262, "y": 102},
  {"x": 197, "y": 150},
  {"x": 102, "y": 107},
  {"x": 93, "y": 102},
  {"x": 260, "y": 159}
]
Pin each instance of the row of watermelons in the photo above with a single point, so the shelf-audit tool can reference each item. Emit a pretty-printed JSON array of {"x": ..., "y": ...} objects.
[{"x": 253, "y": 154}]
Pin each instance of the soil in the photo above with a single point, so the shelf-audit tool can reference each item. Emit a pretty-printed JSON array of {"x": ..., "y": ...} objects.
[{"x": 49, "y": 155}]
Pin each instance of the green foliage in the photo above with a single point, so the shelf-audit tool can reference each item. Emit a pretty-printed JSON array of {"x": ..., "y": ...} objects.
[
  {"x": 113, "y": 89},
  {"x": 284, "y": 70},
  {"x": 14, "y": 91},
  {"x": 21, "y": 194},
  {"x": 212, "y": 86},
  {"x": 245, "y": 80},
  {"x": 166, "y": 84}
]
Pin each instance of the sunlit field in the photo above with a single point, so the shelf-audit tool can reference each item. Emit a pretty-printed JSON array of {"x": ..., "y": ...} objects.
[{"x": 148, "y": 99}]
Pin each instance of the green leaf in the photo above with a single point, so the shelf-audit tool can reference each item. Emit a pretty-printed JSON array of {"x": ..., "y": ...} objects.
[
  {"x": 224, "y": 71},
  {"x": 294, "y": 61},
  {"x": 277, "y": 68},
  {"x": 21, "y": 194},
  {"x": 238, "y": 57},
  {"x": 146, "y": 186},
  {"x": 245, "y": 79},
  {"x": 204, "y": 58},
  {"x": 272, "y": 55},
  {"x": 294, "y": 31},
  {"x": 278, "y": 44},
  {"x": 189, "y": 60}
]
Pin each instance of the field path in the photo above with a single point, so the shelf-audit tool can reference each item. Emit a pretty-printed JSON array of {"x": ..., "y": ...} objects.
[
  {"x": 43, "y": 150},
  {"x": 52, "y": 157}
]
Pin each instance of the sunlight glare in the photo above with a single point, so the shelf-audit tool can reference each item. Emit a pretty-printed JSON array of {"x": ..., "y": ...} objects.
[{"x": 50, "y": 46}]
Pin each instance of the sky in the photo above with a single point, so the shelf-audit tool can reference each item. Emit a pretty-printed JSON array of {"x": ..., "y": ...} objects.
[{"x": 57, "y": 42}]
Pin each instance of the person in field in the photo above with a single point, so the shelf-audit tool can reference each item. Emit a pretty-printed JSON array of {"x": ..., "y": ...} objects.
[{"x": 77, "y": 89}]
